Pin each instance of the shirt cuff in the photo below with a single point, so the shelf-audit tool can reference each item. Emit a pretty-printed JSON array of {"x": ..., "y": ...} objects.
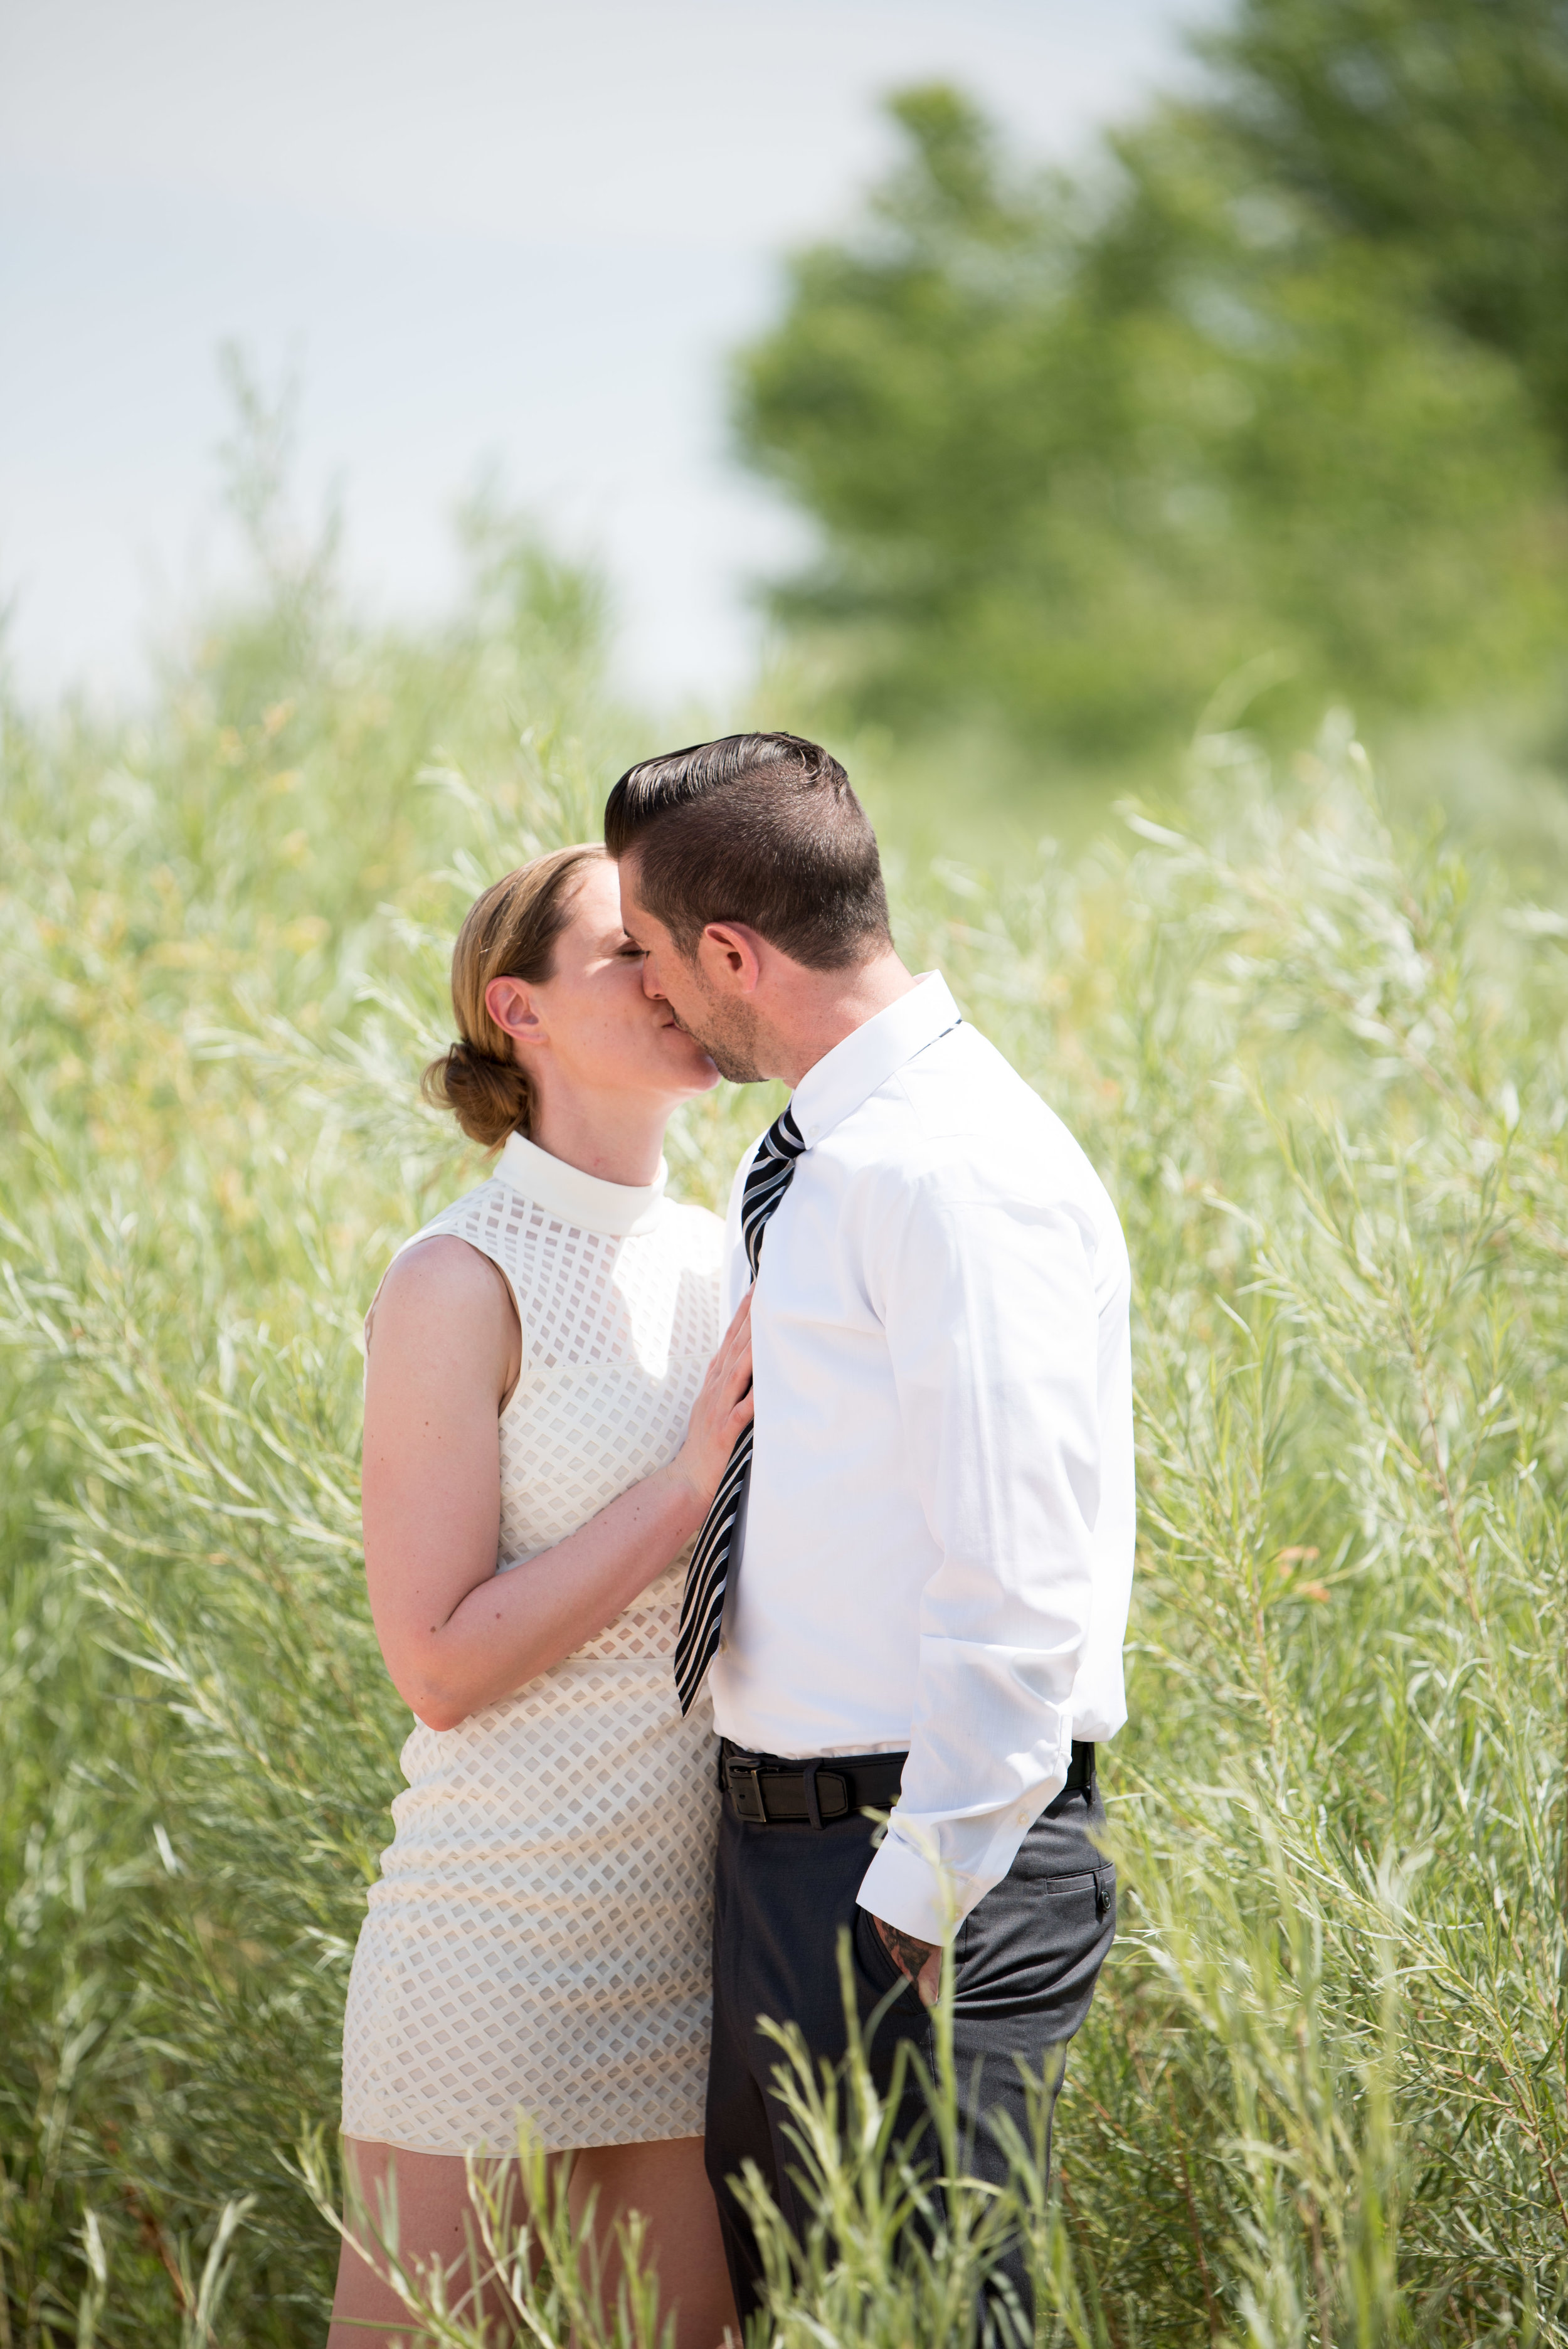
[{"x": 905, "y": 1889}]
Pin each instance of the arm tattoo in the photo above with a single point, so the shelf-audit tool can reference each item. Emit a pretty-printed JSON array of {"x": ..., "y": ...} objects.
[{"x": 908, "y": 1952}]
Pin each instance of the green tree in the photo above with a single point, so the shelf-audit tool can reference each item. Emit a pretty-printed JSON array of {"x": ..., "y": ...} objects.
[
  {"x": 1435, "y": 127},
  {"x": 1079, "y": 449}
]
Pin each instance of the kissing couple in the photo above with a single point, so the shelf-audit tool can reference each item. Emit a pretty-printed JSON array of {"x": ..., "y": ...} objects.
[{"x": 691, "y": 1545}]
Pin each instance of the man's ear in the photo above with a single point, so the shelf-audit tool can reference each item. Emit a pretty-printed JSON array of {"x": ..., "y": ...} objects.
[
  {"x": 509, "y": 1002},
  {"x": 730, "y": 957}
]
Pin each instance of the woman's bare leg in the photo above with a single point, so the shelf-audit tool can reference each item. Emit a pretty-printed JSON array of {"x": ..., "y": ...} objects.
[
  {"x": 435, "y": 2221},
  {"x": 666, "y": 2182}
]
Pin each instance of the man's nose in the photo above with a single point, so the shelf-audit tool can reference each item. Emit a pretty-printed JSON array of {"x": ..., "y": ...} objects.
[{"x": 651, "y": 986}]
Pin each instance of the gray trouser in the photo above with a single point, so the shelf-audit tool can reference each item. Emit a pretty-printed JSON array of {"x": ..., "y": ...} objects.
[{"x": 1027, "y": 1958}]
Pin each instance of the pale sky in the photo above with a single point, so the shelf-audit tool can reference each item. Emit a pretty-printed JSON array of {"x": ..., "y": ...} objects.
[{"x": 486, "y": 231}]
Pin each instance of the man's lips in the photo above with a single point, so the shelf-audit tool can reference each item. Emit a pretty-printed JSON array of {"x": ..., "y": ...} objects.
[{"x": 682, "y": 1029}]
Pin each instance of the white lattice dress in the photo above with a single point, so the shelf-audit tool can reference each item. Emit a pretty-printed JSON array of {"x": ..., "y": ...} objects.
[{"x": 539, "y": 1938}]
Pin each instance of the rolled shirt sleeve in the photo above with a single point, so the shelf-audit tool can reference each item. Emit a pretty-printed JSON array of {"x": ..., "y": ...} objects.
[{"x": 987, "y": 1295}]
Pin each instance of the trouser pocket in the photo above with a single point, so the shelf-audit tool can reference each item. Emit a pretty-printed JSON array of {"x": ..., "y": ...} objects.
[
  {"x": 878, "y": 1967},
  {"x": 1031, "y": 1950},
  {"x": 1101, "y": 1881}
]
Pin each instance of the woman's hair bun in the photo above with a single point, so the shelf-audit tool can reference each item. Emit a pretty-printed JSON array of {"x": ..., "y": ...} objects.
[
  {"x": 511, "y": 931},
  {"x": 488, "y": 1098}
]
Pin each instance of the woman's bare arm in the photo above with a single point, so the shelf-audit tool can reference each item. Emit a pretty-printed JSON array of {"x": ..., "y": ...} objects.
[{"x": 456, "y": 1635}]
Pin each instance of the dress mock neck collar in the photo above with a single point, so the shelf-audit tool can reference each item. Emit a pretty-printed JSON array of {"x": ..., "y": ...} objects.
[{"x": 582, "y": 1200}]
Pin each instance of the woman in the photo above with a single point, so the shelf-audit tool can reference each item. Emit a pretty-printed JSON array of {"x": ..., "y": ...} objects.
[{"x": 548, "y": 1410}]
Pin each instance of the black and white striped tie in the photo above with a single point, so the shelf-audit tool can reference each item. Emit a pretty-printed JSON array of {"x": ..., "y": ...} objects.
[{"x": 707, "y": 1575}]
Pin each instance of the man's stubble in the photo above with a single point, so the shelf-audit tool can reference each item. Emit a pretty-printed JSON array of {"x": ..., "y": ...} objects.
[{"x": 728, "y": 1034}]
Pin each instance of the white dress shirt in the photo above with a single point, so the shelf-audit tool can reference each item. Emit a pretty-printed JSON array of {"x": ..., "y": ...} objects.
[{"x": 937, "y": 1551}]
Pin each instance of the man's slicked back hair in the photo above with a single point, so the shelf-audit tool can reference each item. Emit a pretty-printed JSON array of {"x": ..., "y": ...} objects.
[{"x": 761, "y": 829}]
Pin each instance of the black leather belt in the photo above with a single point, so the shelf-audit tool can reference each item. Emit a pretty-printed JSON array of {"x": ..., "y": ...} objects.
[
  {"x": 768, "y": 1792},
  {"x": 771, "y": 1792}
]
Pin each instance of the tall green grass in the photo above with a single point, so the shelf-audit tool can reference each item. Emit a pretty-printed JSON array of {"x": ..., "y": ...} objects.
[{"x": 1321, "y": 2096}]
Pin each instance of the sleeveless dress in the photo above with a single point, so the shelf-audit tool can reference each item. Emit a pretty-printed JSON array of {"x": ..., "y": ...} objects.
[{"x": 538, "y": 1943}]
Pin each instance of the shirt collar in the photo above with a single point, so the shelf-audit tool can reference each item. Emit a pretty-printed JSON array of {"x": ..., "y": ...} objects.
[
  {"x": 848, "y": 1075},
  {"x": 584, "y": 1201}
]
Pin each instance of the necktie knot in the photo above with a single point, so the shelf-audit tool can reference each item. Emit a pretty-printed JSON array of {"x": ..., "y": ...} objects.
[{"x": 771, "y": 1172}]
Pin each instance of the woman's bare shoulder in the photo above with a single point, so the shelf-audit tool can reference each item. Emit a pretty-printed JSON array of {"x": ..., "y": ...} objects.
[{"x": 441, "y": 1278}]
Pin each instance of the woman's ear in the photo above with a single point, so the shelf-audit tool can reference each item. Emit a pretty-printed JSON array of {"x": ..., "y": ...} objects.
[{"x": 511, "y": 1004}]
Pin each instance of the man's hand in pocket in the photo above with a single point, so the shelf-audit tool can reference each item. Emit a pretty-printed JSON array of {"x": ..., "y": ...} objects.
[{"x": 919, "y": 1962}]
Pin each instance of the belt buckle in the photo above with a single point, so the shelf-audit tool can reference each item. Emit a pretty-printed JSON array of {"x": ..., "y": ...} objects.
[{"x": 744, "y": 1782}]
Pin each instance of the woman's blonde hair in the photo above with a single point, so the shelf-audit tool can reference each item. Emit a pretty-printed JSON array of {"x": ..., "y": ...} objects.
[{"x": 509, "y": 933}]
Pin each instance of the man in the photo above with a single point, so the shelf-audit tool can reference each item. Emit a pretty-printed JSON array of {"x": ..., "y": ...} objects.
[{"x": 912, "y": 1588}]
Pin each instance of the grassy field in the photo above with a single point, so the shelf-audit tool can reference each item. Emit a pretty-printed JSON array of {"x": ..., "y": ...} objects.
[{"x": 1321, "y": 2097}]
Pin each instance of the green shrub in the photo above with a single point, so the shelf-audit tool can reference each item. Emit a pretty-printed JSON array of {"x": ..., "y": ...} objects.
[{"x": 1320, "y": 2098}]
